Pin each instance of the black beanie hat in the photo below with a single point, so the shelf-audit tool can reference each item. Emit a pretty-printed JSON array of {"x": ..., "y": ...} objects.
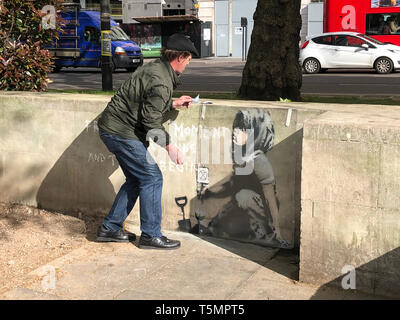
[{"x": 180, "y": 42}]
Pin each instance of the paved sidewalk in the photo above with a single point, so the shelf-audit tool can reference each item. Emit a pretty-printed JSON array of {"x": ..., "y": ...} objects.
[{"x": 203, "y": 268}]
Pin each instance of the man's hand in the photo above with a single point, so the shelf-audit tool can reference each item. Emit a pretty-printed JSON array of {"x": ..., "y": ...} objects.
[
  {"x": 175, "y": 154},
  {"x": 183, "y": 101}
]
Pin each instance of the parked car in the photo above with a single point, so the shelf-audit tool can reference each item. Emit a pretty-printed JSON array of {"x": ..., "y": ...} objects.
[{"x": 349, "y": 50}]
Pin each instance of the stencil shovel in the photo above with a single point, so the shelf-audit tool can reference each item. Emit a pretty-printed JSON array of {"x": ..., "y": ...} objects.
[{"x": 184, "y": 225}]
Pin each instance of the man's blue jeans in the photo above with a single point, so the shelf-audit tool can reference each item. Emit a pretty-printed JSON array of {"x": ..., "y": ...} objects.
[{"x": 143, "y": 180}]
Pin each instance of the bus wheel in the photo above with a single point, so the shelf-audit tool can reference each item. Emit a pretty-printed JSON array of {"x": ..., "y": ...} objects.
[
  {"x": 312, "y": 65},
  {"x": 384, "y": 65}
]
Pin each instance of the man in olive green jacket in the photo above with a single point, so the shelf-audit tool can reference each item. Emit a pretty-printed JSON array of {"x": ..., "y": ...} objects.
[{"x": 135, "y": 114}]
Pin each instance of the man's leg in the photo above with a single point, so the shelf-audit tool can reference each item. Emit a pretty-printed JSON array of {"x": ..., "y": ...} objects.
[
  {"x": 112, "y": 227},
  {"x": 144, "y": 179},
  {"x": 122, "y": 206},
  {"x": 151, "y": 212},
  {"x": 150, "y": 201},
  {"x": 150, "y": 179},
  {"x": 138, "y": 165}
]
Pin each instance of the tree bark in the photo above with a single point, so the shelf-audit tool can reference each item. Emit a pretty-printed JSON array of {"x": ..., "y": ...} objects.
[{"x": 272, "y": 70}]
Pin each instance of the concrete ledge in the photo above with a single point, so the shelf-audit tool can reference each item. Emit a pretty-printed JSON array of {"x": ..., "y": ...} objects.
[{"x": 52, "y": 157}]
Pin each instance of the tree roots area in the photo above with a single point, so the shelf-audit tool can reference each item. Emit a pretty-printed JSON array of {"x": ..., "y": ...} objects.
[{"x": 30, "y": 238}]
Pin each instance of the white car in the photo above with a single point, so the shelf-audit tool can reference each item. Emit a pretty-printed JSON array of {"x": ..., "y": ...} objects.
[{"x": 348, "y": 50}]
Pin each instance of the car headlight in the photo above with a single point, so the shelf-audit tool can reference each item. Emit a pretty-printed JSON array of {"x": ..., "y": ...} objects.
[{"x": 120, "y": 51}]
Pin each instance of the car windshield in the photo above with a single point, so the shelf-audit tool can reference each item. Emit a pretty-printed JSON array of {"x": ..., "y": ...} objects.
[
  {"x": 370, "y": 39},
  {"x": 117, "y": 34}
]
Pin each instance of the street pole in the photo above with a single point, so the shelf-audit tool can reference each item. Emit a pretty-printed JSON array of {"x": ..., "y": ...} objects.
[
  {"x": 243, "y": 24},
  {"x": 106, "y": 72}
]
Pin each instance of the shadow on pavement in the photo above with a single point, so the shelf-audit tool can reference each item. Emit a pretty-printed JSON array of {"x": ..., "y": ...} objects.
[
  {"x": 282, "y": 261},
  {"x": 379, "y": 278}
]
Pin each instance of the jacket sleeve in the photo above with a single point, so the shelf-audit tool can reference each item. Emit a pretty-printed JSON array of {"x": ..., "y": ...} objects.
[{"x": 155, "y": 103}]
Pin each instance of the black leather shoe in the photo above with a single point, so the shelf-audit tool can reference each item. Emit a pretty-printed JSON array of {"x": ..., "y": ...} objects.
[
  {"x": 158, "y": 243},
  {"x": 104, "y": 235}
]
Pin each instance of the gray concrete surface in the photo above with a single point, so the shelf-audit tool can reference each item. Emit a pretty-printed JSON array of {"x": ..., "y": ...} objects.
[
  {"x": 202, "y": 269},
  {"x": 45, "y": 144},
  {"x": 350, "y": 204},
  {"x": 52, "y": 157}
]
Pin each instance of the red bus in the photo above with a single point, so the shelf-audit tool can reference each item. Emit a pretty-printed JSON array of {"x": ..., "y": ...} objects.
[{"x": 379, "y": 19}]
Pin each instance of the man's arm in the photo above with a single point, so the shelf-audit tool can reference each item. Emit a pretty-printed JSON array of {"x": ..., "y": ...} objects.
[
  {"x": 183, "y": 101},
  {"x": 151, "y": 114},
  {"x": 174, "y": 152},
  {"x": 152, "y": 118}
]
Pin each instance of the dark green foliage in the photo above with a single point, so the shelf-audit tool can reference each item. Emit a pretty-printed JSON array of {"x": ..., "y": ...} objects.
[{"x": 24, "y": 63}]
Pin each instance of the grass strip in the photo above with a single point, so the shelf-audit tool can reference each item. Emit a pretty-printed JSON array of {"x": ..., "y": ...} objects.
[{"x": 233, "y": 96}]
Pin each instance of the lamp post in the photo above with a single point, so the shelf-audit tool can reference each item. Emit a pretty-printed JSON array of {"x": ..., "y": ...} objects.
[{"x": 106, "y": 52}]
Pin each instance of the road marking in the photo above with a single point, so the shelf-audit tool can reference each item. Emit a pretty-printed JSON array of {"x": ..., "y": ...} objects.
[{"x": 367, "y": 84}]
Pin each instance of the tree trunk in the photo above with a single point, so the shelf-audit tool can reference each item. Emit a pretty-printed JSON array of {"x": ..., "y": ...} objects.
[{"x": 272, "y": 70}]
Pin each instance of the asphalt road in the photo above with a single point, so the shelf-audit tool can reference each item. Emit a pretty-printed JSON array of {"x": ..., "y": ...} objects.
[{"x": 224, "y": 75}]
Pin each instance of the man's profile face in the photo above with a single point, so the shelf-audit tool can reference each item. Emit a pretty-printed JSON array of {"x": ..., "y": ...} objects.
[{"x": 182, "y": 63}]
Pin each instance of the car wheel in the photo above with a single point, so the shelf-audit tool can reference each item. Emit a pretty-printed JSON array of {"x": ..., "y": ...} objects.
[
  {"x": 56, "y": 69},
  {"x": 384, "y": 65},
  {"x": 312, "y": 65}
]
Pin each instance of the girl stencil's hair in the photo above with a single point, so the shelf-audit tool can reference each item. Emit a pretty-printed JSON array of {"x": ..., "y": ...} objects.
[{"x": 260, "y": 123}]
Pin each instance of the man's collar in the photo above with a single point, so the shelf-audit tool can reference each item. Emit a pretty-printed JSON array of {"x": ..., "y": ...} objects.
[{"x": 174, "y": 76}]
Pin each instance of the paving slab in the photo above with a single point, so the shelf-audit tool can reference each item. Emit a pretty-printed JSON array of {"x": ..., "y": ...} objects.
[{"x": 203, "y": 268}]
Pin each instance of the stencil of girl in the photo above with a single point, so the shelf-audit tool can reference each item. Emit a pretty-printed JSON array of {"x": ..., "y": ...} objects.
[{"x": 253, "y": 212}]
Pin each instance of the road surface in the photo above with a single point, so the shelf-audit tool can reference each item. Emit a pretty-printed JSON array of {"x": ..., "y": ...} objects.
[{"x": 224, "y": 75}]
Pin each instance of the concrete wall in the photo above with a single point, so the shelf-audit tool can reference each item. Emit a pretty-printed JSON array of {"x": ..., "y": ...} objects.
[
  {"x": 315, "y": 18},
  {"x": 49, "y": 156},
  {"x": 350, "y": 204},
  {"x": 235, "y": 46},
  {"x": 241, "y": 9},
  {"x": 52, "y": 157},
  {"x": 342, "y": 175}
]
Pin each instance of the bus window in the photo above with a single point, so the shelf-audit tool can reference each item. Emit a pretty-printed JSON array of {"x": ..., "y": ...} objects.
[
  {"x": 383, "y": 3},
  {"x": 382, "y": 24},
  {"x": 91, "y": 34}
]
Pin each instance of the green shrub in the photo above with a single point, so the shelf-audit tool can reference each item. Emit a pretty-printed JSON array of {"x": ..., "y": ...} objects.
[{"x": 24, "y": 64}]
